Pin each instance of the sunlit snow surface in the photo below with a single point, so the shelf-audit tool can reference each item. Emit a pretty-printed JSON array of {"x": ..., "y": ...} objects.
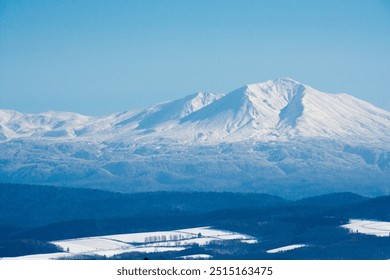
[
  {"x": 286, "y": 248},
  {"x": 52, "y": 256},
  {"x": 378, "y": 228},
  {"x": 146, "y": 242},
  {"x": 196, "y": 257}
]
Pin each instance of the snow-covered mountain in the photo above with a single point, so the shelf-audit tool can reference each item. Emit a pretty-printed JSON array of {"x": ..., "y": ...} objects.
[
  {"x": 170, "y": 111},
  {"x": 279, "y": 136},
  {"x": 284, "y": 108}
]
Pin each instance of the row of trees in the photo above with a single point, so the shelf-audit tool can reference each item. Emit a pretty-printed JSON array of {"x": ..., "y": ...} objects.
[{"x": 171, "y": 237}]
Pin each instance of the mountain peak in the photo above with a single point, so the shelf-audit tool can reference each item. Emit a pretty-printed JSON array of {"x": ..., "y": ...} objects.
[
  {"x": 287, "y": 107},
  {"x": 173, "y": 110},
  {"x": 279, "y": 82},
  {"x": 285, "y": 80},
  {"x": 284, "y": 88},
  {"x": 254, "y": 108}
]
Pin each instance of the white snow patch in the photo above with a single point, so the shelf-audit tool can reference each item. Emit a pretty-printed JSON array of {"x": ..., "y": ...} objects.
[
  {"x": 377, "y": 228},
  {"x": 196, "y": 257},
  {"x": 52, "y": 256},
  {"x": 286, "y": 248},
  {"x": 89, "y": 245}
]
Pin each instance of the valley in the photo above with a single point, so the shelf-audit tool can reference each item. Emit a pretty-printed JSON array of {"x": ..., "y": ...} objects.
[{"x": 90, "y": 224}]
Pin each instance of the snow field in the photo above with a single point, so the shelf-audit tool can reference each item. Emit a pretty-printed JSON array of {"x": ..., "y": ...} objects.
[
  {"x": 196, "y": 257},
  {"x": 286, "y": 248},
  {"x": 148, "y": 242},
  {"x": 52, "y": 256},
  {"x": 89, "y": 245},
  {"x": 377, "y": 228}
]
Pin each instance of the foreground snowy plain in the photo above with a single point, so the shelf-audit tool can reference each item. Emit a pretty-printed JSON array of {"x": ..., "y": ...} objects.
[{"x": 146, "y": 242}]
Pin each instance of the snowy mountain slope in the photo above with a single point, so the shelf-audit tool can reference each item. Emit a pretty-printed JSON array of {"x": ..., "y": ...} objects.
[
  {"x": 279, "y": 136},
  {"x": 59, "y": 125},
  {"x": 285, "y": 108},
  {"x": 335, "y": 116},
  {"x": 171, "y": 111},
  {"x": 249, "y": 111},
  {"x": 49, "y": 124}
]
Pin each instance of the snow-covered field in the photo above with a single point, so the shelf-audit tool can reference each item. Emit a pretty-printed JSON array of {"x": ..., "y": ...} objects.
[
  {"x": 52, "y": 256},
  {"x": 147, "y": 242},
  {"x": 196, "y": 257},
  {"x": 377, "y": 228},
  {"x": 286, "y": 248}
]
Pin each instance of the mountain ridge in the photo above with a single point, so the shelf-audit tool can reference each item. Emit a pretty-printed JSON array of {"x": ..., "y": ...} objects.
[
  {"x": 282, "y": 107},
  {"x": 278, "y": 136}
]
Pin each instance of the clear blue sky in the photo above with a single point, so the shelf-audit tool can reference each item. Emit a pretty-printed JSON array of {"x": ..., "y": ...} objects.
[{"x": 99, "y": 57}]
